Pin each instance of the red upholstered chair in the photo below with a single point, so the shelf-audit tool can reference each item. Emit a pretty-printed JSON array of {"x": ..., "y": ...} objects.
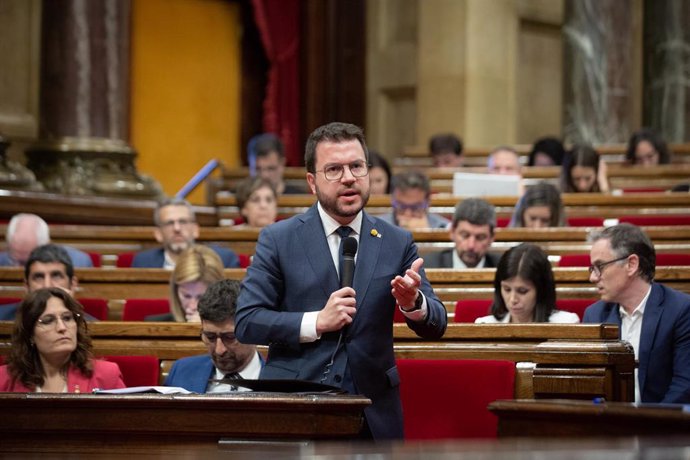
[
  {"x": 574, "y": 260},
  {"x": 245, "y": 260},
  {"x": 662, "y": 219},
  {"x": 502, "y": 222},
  {"x": 398, "y": 317},
  {"x": 95, "y": 259},
  {"x": 642, "y": 190},
  {"x": 585, "y": 221},
  {"x": 466, "y": 311},
  {"x": 447, "y": 399},
  {"x": 139, "y": 309},
  {"x": 6, "y": 300},
  {"x": 124, "y": 260},
  {"x": 137, "y": 371},
  {"x": 98, "y": 308},
  {"x": 577, "y": 306}
]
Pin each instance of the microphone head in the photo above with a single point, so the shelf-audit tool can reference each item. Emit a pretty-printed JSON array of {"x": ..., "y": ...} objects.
[{"x": 349, "y": 246}]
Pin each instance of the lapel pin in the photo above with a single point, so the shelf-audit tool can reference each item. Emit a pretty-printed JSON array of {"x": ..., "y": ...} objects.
[{"x": 375, "y": 233}]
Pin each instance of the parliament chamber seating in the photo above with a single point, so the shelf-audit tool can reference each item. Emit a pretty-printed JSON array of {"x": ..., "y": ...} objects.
[
  {"x": 124, "y": 260},
  {"x": 662, "y": 259},
  {"x": 468, "y": 310},
  {"x": 448, "y": 399},
  {"x": 137, "y": 371},
  {"x": 661, "y": 219},
  {"x": 98, "y": 308},
  {"x": 139, "y": 309}
]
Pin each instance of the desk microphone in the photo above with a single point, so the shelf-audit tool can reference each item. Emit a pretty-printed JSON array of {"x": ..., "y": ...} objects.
[{"x": 347, "y": 273}]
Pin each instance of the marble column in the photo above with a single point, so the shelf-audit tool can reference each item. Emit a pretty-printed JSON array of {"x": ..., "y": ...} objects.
[
  {"x": 598, "y": 83},
  {"x": 84, "y": 101},
  {"x": 667, "y": 68}
]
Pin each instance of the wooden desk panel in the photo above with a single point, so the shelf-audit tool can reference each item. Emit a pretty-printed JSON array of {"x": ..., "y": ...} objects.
[
  {"x": 568, "y": 418},
  {"x": 78, "y": 421}
]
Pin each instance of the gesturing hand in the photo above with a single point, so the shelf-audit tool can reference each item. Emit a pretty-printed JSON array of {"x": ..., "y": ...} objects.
[
  {"x": 406, "y": 288},
  {"x": 338, "y": 312}
]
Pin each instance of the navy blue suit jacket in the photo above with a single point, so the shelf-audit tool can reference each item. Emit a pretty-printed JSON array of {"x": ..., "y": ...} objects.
[
  {"x": 155, "y": 258},
  {"x": 79, "y": 258},
  {"x": 444, "y": 259},
  {"x": 192, "y": 373},
  {"x": 664, "y": 354},
  {"x": 292, "y": 272}
]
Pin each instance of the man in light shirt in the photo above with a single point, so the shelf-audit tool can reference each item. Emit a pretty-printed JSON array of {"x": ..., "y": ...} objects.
[
  {"x": 226, "y": 358},
  {"x": 653, "y": 318}
]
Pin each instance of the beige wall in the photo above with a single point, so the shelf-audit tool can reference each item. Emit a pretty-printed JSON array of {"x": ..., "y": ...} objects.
[
  {"x": 185, "y": 88},
  {"x": 490, "y": 71}
]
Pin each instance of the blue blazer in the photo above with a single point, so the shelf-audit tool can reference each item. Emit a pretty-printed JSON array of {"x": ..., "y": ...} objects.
[
  {"x": 664, "y": 354},
  {"x": 155, "y": 258},
  {"x": 192, "y": 373},
  {"x": 79, "y": 258},
  {"x": 292, "y": 272}
]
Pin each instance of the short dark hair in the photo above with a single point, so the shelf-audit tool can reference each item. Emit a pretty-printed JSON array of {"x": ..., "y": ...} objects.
[
  {"x": 24, "y": 363},
  {"x": 529, "y": 262},
  {"x": 445, "y": 143},
  {"x": 649, "y": 135},
  {"x": 172, "y": 201},
  {"x": 250, "y": 185},
  {"x": 475, "y": 211},
  {"x": 332, "y": 132},
  {"x": 219, "y": 303},
  {"x": 407, "y": 180},
  {"x": 49, "y": 253},
  {"x": 549, "y": 146},
  {"x": 266, "y": 143},
  {"x": 627, "y": 239}
]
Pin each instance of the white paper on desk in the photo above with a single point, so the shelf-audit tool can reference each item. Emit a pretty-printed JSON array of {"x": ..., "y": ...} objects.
[{"x": 144, "y": 389}]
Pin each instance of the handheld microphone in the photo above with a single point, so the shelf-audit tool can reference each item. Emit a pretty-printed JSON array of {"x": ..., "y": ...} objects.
[{"x": 348, "y": 268}]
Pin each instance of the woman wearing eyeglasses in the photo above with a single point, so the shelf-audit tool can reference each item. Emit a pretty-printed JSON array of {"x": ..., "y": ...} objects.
[
  {"x": 525, "y": 290},
  {"x": 51, "y": 349}
]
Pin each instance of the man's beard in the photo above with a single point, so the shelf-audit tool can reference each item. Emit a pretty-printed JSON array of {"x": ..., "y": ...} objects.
[
  {"x": 177, "y": 248},
  {"x": 470, "y": 259},
  {"x": 332, "y": 207}
]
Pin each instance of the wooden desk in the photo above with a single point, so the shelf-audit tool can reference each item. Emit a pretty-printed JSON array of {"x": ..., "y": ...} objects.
[
  {"x": 568, "y": 418},
  {"x": 574, "y": 361},
  {"x": 36, "y": 421}
]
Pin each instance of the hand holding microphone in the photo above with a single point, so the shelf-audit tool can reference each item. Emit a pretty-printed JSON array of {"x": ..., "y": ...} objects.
[{"x": 341, "y": 305}]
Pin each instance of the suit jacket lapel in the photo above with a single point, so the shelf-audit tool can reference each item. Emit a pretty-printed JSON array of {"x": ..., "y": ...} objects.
[
  {"x": 650, "y": 321},
  {"x": 313, "y": 239},
  {"x": 206, "y": 373},
  {"x": 367, "y": 258}
]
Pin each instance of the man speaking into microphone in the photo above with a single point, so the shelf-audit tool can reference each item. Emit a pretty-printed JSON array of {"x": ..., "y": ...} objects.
[{"x": 292, "y": 300}]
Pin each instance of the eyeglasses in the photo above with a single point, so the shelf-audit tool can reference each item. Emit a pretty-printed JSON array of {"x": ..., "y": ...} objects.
[
  {"x": 416, "y": 208},
  {"x": 67, "y": 318},
  {"x": 210, "y": 338},
  {"x": 596, "y": 269},
  {"x": 180, "y": 222},
  {"x": 335, "y": 171}
]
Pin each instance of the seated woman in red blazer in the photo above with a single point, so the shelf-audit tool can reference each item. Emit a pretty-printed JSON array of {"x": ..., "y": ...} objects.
[{"x": 51, "y": 349}]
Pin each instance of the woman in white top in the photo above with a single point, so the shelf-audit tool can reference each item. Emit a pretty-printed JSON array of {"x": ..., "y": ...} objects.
[{"x": 525, "y": 290}]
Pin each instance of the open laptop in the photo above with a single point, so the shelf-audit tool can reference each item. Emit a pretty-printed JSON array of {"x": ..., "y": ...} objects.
[{"x": 476, "y": 184}]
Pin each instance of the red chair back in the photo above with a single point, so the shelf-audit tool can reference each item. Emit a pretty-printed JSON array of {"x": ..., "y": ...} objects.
[
  {"x": 245, "y": 260},
  {"x": 577, "y": 306},
  {"x": 585, "y": 221},
  {"x": 663, "y": 259},
  {"x": 137, "y": 371},
  {"x": 139, "y": 309},
  {"x": 7, "y": 300},
  {"x": 466, "y": 311},
  {"x": 447, "y": 399},
  {"x": 98, "y": 308},
  {"x": 574, "y": 260},
  {"x": 124, "y": 260},
  {"x": 95, "y": 259}
]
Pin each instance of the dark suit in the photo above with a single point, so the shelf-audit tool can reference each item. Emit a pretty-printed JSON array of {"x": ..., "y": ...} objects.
[
  {"x": 79, "y": 258},
  {"x": 664, "y": 354},
  {"x": 155, "y": 258},
  {"x": 192, "y": 373},
  {"x": 293, "y": 272},
  {"x": 444, "y": 259}
]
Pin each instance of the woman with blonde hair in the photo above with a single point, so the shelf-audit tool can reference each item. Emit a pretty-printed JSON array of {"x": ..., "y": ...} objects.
[{"x": 196, "y": 269}]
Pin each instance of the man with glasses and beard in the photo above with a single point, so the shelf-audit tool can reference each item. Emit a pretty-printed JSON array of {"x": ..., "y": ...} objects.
[
  {"x": 226, "y": 358},
  {"x": 653, "y": 318},
  {"x": 293, "y": 298},
  {"x": 176, "y": 229}
]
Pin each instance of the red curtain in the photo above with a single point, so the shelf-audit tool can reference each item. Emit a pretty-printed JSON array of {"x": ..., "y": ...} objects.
[{"x": 278, "y": 22}]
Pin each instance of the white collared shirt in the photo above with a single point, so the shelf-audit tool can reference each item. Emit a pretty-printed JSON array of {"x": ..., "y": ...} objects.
[
  {"x": 250, "y": 372},
  {"x": 631, "y": 328},
  {"x": 459, "y": 264}
]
